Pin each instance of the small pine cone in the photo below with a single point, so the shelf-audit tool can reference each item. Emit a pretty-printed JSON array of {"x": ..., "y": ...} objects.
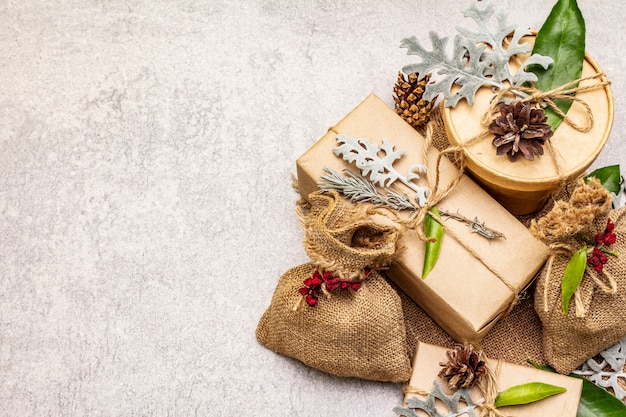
[
  {"x": 409, "y": 102},
  {"x": 464, "y": 367},
  {"x": 520, "y": 129}
]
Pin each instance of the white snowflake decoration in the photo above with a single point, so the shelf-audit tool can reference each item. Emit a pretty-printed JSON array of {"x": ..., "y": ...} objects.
[{"x": 607, "y": 373}]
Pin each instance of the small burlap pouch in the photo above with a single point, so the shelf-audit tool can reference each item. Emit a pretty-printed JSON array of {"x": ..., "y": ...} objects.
[
  {"x": 347, "y": 333},
  {"x": 596, "y": 318}
]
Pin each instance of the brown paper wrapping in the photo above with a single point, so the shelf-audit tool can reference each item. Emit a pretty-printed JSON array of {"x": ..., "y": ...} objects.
[
  {"x": 524, "y": 186},
  {"x": 461, "y": 294},
  {"x": 426, "y": 368}
]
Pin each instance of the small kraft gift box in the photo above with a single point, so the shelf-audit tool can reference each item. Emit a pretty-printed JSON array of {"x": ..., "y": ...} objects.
[
  {"x": 425, "y": 382},
  {"x": 476, "y": 281}
]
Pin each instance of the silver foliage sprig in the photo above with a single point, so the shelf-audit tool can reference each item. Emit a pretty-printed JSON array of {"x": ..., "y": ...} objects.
[
  {"x": 479, "y": 57},
  {"x": 368, "y": 159},
  {"x": 359, "y": 190},
  {"x": 459, "y": 403}
]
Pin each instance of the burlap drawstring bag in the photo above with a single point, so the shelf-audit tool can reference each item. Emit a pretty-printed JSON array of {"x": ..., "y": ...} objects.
[
  {"x": 597, "y": 315},
  {"x": 347, "y": 333}
]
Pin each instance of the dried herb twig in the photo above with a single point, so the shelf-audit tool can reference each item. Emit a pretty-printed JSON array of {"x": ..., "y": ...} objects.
[
  {"x": 475, "y": 225},
  {"x": 359, "y": 189}
]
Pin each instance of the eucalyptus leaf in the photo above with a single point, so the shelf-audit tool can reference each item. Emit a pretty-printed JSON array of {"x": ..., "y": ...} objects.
[
  {"x": 433, "y": 231},
  {"x": 561, "y": 37},
  {"x": 594, "y": 401},
  {"x": 572, "y": 276},
  {"x": 609, "y": 176},
  {"x": 527, "y": 393}
]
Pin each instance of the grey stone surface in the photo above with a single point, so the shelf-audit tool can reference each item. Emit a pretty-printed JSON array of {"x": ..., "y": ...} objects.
[{"x": 146, "y": 209}]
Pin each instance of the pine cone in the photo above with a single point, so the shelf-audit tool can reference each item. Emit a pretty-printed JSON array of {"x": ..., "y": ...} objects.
[
  {"x": 520, "y": 128},
  {"x": 464, "y": 367},
  {"x": 409, "y": 103}
]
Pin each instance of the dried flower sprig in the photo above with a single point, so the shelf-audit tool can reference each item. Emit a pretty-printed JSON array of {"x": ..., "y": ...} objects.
[{"x": 325, "y": 282}]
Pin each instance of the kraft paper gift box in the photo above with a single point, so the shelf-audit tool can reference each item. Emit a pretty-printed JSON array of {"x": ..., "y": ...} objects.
[
  {"x": 466, "y": 293},
  {"x": 426, "y": 367}
]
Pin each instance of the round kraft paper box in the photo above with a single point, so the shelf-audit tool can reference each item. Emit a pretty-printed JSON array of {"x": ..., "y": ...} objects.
[{"x": 525, "y": 186}]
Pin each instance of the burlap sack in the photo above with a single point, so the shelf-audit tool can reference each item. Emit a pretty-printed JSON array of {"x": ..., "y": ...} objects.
[
  {"x": 597, "y": 318},
  {"x": 350, "y": 333}
]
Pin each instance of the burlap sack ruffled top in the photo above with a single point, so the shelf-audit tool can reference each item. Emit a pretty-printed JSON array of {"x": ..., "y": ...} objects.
[{"x": 347, "y": 333}]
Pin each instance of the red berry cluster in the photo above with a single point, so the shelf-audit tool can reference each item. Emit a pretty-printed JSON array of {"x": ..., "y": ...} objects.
[
  {"x": 313, "y": 285},
  {"x": 597, "y": 258}
]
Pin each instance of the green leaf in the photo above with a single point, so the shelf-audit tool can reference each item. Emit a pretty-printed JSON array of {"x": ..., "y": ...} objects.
[
  {"x": 572, "y": 276},
  {"x": 433, "y": 230},
  {"x": 561, "y": 37},
  {"x": 609, "y": 176},
  {"x": 527, "y": 393},
  {"x": 598, "y": 402},
  {"x": 594, "y": 401},
  {"x": 539, "y": 366}
]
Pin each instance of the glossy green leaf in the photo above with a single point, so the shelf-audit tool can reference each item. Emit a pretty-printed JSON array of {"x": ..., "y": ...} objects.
[
  {"x": 562, "y": 37},
  {"x": 527, "y": 393},
  {"x": 594, "y": 401},
  {"x": 572, "y": 276},
  {"x": 598, "y": 402},
  {"x": 433, "y": 230},
  {"x": 609, "y": 177}
]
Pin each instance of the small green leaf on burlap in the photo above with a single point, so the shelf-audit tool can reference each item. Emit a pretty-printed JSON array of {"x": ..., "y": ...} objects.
[
  {"x": 561, "y": 37},
  {"x": 572, "y": 277}
]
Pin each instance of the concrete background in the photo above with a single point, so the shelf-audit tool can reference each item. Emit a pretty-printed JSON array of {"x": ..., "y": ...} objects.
[{"x": 146, "y": 209}]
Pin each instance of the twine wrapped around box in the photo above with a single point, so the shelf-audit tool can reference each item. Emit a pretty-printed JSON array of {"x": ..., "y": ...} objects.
[
  {"x": 348, "y": 333},
  {"x": 494, "y": 275}
]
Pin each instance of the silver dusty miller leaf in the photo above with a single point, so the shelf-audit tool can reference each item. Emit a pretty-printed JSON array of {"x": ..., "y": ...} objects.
[
  {"x": 479, "y": 57},
  {"x": 377, "y": 163},
  {"x": 452, "y": 403}
]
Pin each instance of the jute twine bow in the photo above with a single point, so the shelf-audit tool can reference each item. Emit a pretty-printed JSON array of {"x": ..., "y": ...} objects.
[
  {"x": 548, "y": 99},
  {"x": 488, "y": 386}
]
